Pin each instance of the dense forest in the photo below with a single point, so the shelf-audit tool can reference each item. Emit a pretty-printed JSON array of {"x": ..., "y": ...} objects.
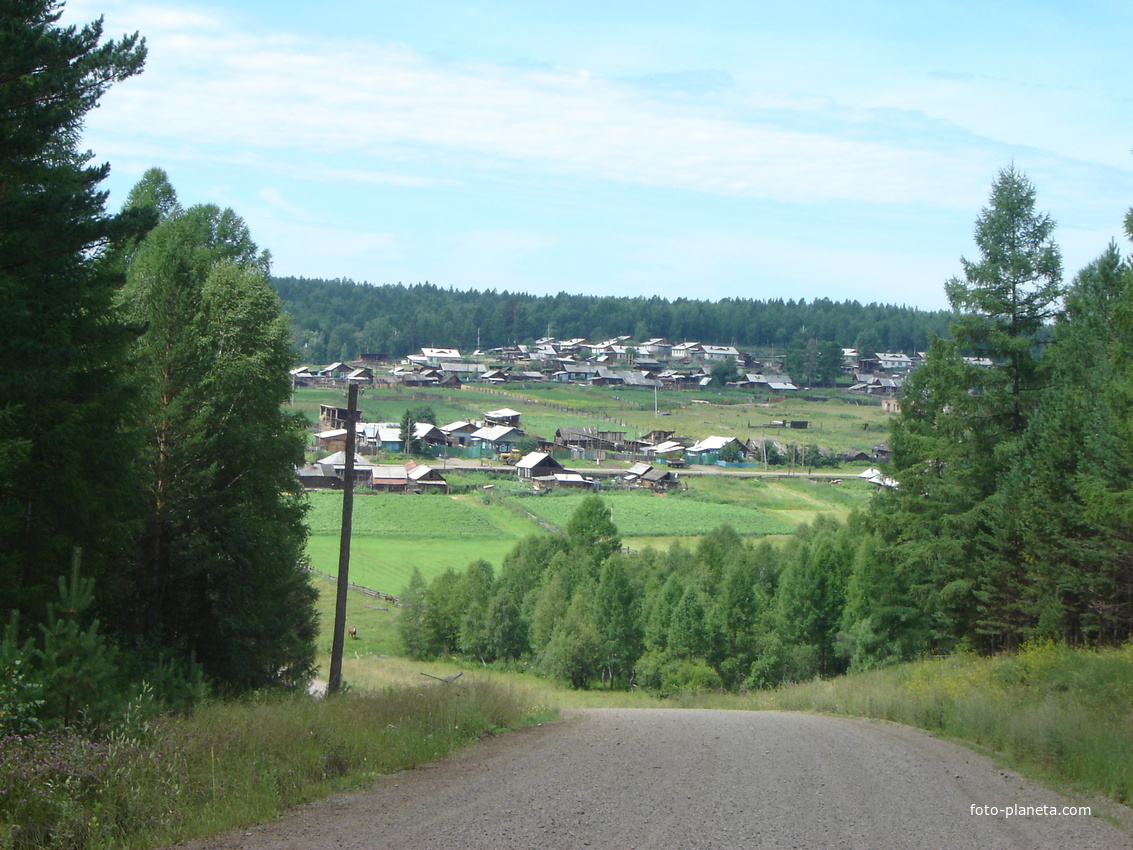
[
  {"x": 1012, "y": 520},
  {"x": 338, "y": 320}
]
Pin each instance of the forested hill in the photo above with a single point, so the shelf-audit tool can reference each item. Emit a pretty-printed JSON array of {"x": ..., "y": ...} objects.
[{"x": 337, "y": 319}]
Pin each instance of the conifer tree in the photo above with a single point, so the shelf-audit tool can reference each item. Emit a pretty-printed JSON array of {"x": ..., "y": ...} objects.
[
  {"x": 963, "y": 414},
  {"x": 219, "y": 572},
  {"x": 63, "y": 483}
]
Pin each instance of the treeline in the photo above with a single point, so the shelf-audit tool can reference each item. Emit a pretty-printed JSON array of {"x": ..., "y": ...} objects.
[
  {"x": 338, "y": 320},
  {"x": 725, "y": 614},
  {"x": 151, "y": 525},
  {"x": 1012, "y": 519}
]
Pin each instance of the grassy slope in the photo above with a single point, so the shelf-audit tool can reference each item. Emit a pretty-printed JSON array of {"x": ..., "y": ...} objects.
[
  {"x": 839, "y": 423},
  {"x": 392, "y": 534}
]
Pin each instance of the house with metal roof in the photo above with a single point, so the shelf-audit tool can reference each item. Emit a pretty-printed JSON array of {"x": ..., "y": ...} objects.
[{"x": 535, "y": 464}]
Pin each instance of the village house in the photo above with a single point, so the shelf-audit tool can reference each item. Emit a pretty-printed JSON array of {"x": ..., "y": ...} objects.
[
  {"x": 536, "y": 464},
  {"x": 333, "y": 440},
  {"x": 646, "y": 475},
  {"x": 770, "y": 383},
  {"x": 590, "y": 439},
  {"x": 671, "y": 452},
  {"x": 439, "y": 356},
  {"x": 720, "y": 353},
  {"x": 338, "y": 371},
  {"x": 314, "y": 477},
  {"x": 658, "y": 347},
  {"x": 363, "y": 374},
  {"x": 573, "y": 480},
  {"x": 463, "y": 371},
  {"x": 708, "y": 450},
  {"x": 425, "y": 478},
  {"x": 335, "y": 465},
  {"x": 459, "y": 433},
  {"x": 894, "y": 362},
  {"x": 388, "y": 478},
  {"x": 688, "y": 351},
  {"x": 497, "y": 438},
  {"x": 411, "y": 477},
  {"x": 301, "y": 377}
]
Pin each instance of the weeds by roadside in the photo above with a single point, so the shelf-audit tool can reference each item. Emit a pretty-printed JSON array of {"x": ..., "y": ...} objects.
[
  {"x": 1056, "y": 712},
  {"x": 156, "y": 781}
]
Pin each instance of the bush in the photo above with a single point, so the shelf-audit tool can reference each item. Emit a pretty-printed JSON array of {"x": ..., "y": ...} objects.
[{"x": 669, "y": 676}]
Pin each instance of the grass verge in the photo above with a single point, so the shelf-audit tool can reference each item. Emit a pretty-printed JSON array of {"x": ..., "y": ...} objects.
[
  {"x": 1059, "y": 714},
  {"x": 156, "y": 782}
]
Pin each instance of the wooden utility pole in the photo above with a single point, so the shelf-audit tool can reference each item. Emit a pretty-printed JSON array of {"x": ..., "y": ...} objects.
[{"x": 334, "y": 682}]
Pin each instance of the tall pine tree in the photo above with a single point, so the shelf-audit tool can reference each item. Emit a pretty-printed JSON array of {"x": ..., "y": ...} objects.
[{"x": 62, "y": 399}]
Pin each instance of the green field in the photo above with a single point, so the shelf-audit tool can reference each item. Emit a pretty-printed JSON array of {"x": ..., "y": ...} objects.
[
  {"x": 643, "y": 514},
  {"x": 392, "y": 534}
]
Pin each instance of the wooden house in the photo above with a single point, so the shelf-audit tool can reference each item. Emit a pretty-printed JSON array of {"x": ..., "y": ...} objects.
[
  {"x": 497, "y": 438},
  {"x": 390, "y": 479},
  {"x": 424, "y": 478},
  {"x": 335, "y": 465},
  {"x": 459, "y": 433},
  {"x": 537, "y": 464}
]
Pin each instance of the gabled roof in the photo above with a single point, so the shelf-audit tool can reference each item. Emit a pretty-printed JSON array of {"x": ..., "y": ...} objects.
[
  {"x": 416, "y": 473},
  {"x": 495, "y": 433},
  {"x": 502, "y": 413},
  {"x": 532, "y": 460},
  {"x": 332, "y": 464},
  {"x": 422, "y": 430},
  {"x": 712, "y": 444}
]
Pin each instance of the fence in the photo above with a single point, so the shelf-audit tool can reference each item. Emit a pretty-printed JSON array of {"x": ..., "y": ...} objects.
[{"x": 366, "y": 591}]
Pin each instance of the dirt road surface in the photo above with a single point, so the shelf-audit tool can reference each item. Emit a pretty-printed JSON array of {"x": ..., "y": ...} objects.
[{"x": 668, "y": 778}]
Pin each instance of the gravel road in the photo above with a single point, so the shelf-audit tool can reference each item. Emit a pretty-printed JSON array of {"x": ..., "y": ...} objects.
[{"x": 667, "y": 778}]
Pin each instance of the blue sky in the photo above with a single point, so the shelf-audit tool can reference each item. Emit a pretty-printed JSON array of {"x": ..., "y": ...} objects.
[{"x": 682, "y": 149}]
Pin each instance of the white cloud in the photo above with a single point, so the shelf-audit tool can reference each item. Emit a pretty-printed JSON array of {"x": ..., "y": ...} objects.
[{"x": 210, "y": 88}]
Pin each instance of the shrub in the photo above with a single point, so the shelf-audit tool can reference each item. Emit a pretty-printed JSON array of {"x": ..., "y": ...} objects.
[{"x": 669, "y": 676}]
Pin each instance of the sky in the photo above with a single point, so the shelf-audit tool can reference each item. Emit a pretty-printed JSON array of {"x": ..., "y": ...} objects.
[{"x": 700, "y": 150}]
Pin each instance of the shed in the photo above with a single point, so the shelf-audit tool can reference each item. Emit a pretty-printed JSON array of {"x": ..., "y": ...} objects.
[{"x": 503, "y": 416}]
